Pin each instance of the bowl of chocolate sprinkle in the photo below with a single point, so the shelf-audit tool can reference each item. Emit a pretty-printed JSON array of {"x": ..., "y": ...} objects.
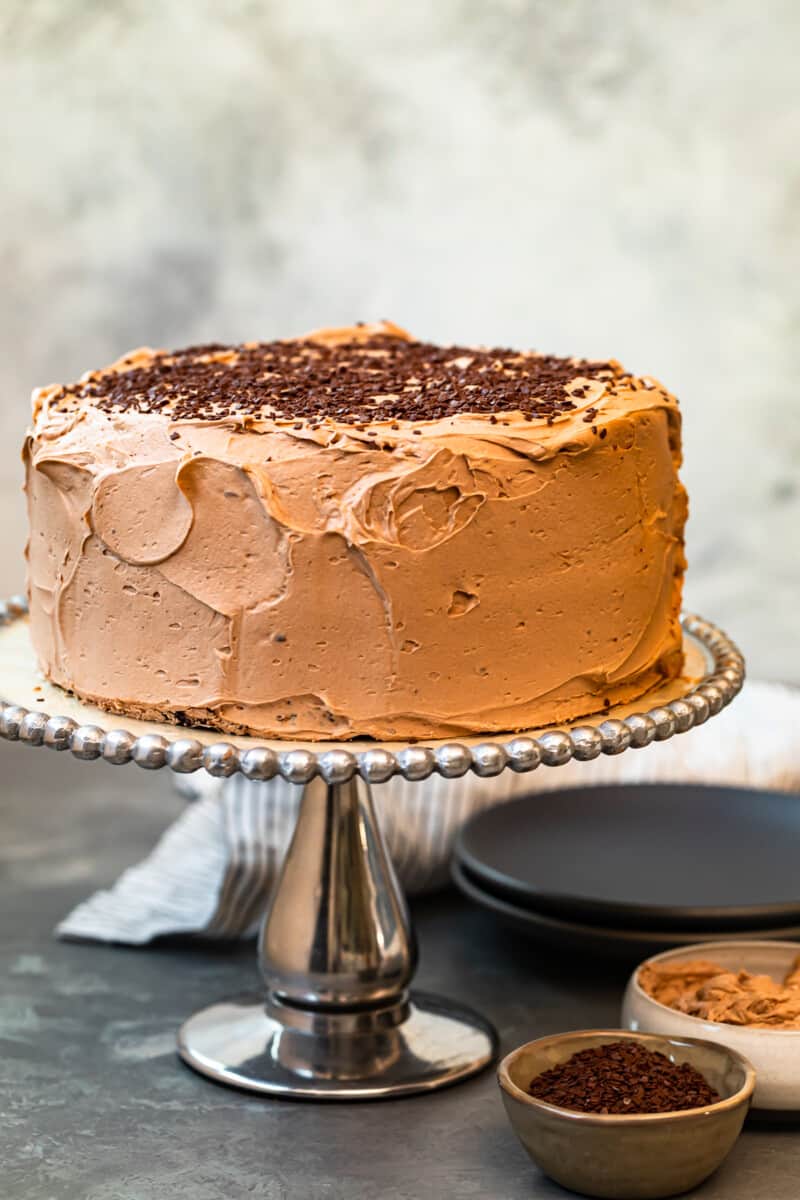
[{"x": 626, "y": 1115}]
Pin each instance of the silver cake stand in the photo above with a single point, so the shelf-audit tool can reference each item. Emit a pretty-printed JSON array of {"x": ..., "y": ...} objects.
[{"x": 336, "y": 1019}]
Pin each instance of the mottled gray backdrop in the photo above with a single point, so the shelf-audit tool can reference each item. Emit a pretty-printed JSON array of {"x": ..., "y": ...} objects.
[{"x": 587, "y": 176}]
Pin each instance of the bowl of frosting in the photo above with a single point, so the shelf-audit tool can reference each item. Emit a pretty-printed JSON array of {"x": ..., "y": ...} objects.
[{"x": 742, "y": 994}]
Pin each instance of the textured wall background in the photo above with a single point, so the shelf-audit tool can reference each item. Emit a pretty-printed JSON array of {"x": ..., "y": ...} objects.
[{"x": 577, "y": 175}]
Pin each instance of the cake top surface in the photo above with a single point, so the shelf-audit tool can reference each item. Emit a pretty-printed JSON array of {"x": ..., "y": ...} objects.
[{"x": 360, "y": 374}]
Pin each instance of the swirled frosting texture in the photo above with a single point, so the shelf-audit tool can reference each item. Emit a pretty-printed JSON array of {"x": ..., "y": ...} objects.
[{"x": 325, "y": 575}]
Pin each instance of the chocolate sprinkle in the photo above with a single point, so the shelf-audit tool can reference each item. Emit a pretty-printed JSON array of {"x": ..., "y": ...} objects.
[
  {"x": 382, "y": 378},
  {"x": 623, "y": 1077}
]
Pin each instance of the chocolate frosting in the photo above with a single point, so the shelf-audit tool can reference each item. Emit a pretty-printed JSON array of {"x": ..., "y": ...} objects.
[{"x": 308, "y": 562}]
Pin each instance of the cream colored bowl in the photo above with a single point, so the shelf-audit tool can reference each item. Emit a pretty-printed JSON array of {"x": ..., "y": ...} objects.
[
  {"x": 635, "y": 1156},
  {"x": 775, "y": 1053}
]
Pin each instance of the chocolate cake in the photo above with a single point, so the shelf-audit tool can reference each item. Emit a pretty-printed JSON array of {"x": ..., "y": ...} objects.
[{"x": 355, "y": 533}]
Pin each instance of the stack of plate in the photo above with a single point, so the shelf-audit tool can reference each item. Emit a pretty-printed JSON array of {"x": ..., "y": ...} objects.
[{"x": 633, "y": 869}]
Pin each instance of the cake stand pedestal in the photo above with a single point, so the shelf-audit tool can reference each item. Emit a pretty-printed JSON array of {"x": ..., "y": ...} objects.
[
  {"x": 337, "y": 954},
  {"x": 336, "y": 1019}
]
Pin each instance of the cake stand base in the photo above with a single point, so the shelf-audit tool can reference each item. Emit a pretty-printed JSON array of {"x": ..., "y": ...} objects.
[{"x": 276, "y": 1049}]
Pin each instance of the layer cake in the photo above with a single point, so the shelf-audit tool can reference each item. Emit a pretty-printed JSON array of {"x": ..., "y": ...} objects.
[{"x": 355, "y": 533}]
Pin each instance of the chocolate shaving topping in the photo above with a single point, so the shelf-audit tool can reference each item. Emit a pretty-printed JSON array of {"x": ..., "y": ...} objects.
[{"x": 382, "y": 378}]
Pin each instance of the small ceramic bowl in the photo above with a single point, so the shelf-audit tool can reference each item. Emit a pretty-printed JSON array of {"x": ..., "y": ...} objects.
[
  {"x": 775, "y": 1053},
  {"x": 636, "y": 1156}
]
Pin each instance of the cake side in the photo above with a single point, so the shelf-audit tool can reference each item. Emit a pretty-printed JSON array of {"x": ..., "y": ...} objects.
[{"x": 356, "y": 534}]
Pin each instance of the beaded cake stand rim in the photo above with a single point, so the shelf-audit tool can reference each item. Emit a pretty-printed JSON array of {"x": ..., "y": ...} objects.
[{"x": 520, "y": 753}]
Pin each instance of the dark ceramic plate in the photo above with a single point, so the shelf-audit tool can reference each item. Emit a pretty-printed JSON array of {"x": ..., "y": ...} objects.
[
  {"x": 625, "y": 944},
  {"x": 650, "y": 856}
]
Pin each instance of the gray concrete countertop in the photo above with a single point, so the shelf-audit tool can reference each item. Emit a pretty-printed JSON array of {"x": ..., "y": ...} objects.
[{"x": 94, "y": 1104}]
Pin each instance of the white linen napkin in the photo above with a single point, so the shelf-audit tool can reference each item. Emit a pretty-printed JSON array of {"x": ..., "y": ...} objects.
[{"x": 212, "y": 870}]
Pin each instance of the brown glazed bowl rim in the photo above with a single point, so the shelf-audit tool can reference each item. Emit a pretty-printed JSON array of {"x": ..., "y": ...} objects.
[{"x": 617, "y": 1120}]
